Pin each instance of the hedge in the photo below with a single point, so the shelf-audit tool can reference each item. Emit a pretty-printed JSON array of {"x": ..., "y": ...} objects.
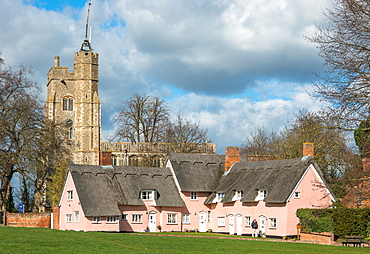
[{"x": 340, "y": 221}]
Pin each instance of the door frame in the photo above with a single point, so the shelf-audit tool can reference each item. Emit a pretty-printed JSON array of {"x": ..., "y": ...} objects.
[
  {"x": 203, "y": 221},
  {"x": 239, "y": 224},
  {"x": 152, "y": 226},
  {"x": 231, "y": 224}
]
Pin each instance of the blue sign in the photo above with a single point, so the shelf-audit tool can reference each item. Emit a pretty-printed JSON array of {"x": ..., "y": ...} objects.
[{"x": 21, "y": 208}]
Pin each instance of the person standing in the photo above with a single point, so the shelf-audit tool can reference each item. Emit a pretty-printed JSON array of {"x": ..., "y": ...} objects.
[{"x": 254, "y": 228}]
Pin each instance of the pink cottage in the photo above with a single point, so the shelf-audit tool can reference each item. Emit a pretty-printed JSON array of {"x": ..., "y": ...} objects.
[{"x": 194, "y": 192}]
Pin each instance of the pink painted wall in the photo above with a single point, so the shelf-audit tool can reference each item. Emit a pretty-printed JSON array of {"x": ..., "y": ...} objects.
[
  {"x": 72, "y": 206},
  {"x": 312, "y": 195}
]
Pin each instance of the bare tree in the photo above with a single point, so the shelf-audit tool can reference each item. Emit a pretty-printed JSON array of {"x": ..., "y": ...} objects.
[
  {"x": 344, "y": 44},
  {"x": 337, "y": 160},
  {"x": 28, "y": 145},
  {"x": 20, "y": 121},
  {"x": 186, "y": 135},
  {"x": 141, "y": 119}
]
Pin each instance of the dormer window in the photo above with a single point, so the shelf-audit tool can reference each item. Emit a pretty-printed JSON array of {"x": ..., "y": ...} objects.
[
  {"x": 220, "y": 196},
  {"x": 238, "y": 195},
  {"x": 68, "y": 103},
  {"x": 147, "y": 195},
  {"x": 261, "y": 194}
]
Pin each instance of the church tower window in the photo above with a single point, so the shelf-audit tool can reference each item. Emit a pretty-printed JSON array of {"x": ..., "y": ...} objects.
[{"x": 68, "y": 104}]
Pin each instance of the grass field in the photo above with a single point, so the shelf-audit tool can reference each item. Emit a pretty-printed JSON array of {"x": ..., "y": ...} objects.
[{"x": 36, "y": 240}]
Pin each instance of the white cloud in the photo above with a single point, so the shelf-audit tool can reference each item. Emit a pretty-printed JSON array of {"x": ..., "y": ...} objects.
[{"x": 225, "y": 63}]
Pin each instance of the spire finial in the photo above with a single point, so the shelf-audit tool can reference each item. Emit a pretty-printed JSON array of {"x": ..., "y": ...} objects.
[{"x": 86, "y": 46}]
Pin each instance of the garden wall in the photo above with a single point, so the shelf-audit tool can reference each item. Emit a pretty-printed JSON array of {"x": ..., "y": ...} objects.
[
  {"x": 30, "y": 220},
  {"x": 318, "y": 238}
]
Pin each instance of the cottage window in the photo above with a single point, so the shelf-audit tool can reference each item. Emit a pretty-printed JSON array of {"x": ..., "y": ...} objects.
[
  {"x": 68, "y": 104},
  {"x": 297, "y": 194},
  {"x": 96, "y": 220},
  {"x": 261, "y": 195},
  {"x": 220, "y": 196},
  {"x": 171, "y": 218},
  {"x": 221, "y": 221},
  {"x": 136, "y": 218},
  {"x": 238, "y": 195},
  {"x": 70, "y": 195},
  {"x": 124, "y": 217},
  {"x": 186, "y": 218},
  {"x": 193, "y": 195},
  {"x": 111, "y": 219},
  {"x": 273, "y": 223},
  {"x": 147, "y": 195},
  {"x": 68, "y": 217},
  {"x": 247, "y": 221},
  {"x": 77, "y": 216}
]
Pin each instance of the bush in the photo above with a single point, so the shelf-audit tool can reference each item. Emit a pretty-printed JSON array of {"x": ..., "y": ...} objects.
[{"x": 341, "y": 221}]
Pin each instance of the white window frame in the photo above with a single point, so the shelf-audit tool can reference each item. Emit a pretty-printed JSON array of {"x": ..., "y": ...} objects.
[
  {"x": 238, "y": 195},
  {"x": 193, "y": 195},
  {"x": 297, "y": 194},
  {"x": 171, "y": 218},
  {"x": 124, "y": 216},
  {"x": 220, "y": 196},
  {"x": 136, "y": 218},
  {"x": 221, "y": 221},
  {"x": 273, "y": 223},
  {"x": 69, "y": 195},
  {"x": 248, "y": 221},
  {"x": 186, "y": 218},
  {"x": 111, "y": 219},
  {"x": 77, "y": 216},
  {"x": 147, "y": 195},
  {"x": 261, "y": 195},
  {"x": 96, "y": 220},
  {"x": 68, "y": 218}
]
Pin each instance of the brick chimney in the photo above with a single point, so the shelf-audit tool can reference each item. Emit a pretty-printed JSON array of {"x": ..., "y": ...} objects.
[
  {"x": 232, "y": 155},
  {"x": 308, "y": 149},
  {"x": 105, "y": 158}
]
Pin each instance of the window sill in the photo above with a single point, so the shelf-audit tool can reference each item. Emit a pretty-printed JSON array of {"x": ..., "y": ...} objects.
[{"x": 136, "y": 222}]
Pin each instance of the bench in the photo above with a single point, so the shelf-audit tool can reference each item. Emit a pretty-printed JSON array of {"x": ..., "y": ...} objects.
[{"x": 356, "y": 241}]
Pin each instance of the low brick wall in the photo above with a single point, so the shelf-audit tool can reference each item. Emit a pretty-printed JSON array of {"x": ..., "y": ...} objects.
[
  {"x": 318, "y": 238},
  {"x": 56, "y": 212},
  {"x": 30, "y": 220}
]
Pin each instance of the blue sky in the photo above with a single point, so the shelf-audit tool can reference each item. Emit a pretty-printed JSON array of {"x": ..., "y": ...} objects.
[{"x": 229, "y": 65}]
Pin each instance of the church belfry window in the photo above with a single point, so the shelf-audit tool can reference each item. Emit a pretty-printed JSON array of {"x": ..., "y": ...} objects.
[{"x": 68, "y": 104}]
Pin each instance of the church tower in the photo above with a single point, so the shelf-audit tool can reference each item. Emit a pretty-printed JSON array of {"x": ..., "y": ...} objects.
[{"x": 73, "y": 101}]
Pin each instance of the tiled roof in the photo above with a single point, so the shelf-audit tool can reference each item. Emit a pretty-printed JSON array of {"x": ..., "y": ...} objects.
[{"x": 102, "y": 189}]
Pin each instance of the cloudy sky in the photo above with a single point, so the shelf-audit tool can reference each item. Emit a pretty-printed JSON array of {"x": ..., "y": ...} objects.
[{"x": 229, "y": 65}]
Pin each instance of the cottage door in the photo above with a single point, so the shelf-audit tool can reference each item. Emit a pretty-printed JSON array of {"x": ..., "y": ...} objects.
[
  {"x": 152, "y": 222},
  {"x": 262, "y": 224},
  {"x": 231, "y": 224},
  {"x": 239, "y": 224},
  {"x": 203, "y": 222}
]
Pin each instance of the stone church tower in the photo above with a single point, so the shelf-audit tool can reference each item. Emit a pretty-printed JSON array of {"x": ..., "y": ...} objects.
[{"x": 73, "y": 101}]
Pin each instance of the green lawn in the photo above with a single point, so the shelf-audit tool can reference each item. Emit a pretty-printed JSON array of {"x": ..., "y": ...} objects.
[{"x": 36, "y": 240}]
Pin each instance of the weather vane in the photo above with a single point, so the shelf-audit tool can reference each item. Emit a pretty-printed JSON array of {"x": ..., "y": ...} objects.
[{"x": 86, "y": 46}]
